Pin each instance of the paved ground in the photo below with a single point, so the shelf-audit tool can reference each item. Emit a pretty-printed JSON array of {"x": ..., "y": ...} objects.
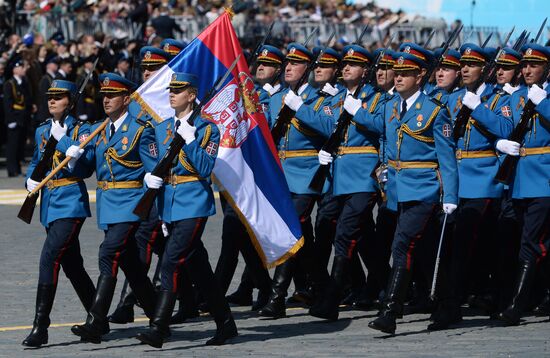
[{"x": 298, "y": 336}]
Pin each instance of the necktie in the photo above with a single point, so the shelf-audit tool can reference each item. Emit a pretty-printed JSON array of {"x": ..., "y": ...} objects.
[
  {"x": 178, "y": 122},
  {"x": 403, "y": 110},
  {"x": 112, "y": 131}
]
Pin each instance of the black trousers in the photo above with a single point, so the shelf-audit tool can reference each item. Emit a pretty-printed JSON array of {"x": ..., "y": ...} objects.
[
  {"x": 534, "y": 217},
  {"x": 15, "y": 148},
  {"x": 62, "y": 249}
]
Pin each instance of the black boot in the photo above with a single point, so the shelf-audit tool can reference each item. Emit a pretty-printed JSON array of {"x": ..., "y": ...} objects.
[
  {"x": 44, "y": 302},
  {"x": 511, "y": 315},
  {"x": 124, "y": 312},
  {"x": 96, "y": 322},
  {"x": 276, "y": 307},
  {"x": 261, "y": 301},
  {"x": 146, "y": 296},
  {"x": 85, "y": 290},
  {"x": 393, "y": 303},
  {"x": 327, "y": 305},
  {"x": 225, "y": 329},
  {"x": 543, "y": 308},
  {"x": 159, "y": 328},
  {"x": 243, "y": 295},
  {"x": 446, "y": 314}
]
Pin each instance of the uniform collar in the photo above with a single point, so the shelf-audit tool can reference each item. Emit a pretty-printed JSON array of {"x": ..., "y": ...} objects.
[
  {"x": 18, "y": 79},
  {"x": 184, "y": 118},
  {"x": 119, "y": 121},
  {"x": 410, "y": 101}
]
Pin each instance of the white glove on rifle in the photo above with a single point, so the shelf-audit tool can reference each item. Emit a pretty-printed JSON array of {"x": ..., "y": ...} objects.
[
  {"x": 536, "y": 94},
  {"x": 152, "y": 181},
  {"x": 324, "y": 157},
  {"x": 57, "y": 130},
  {"x": 293, "y": 101},
  {"x": 187, "y": 132},
  {"x": 352, "y": 105},
  {"x": 75, "y": 152},
  {"x": 328, "y": 88},
  {"x": 449, "y": 208},
  {"x": 269, "y": 89},
  {"x": 31, "y": 184},
  {"x": 12, "y": 125},
  {"x": 471, "y": 100},
  {"x": 509, "y": 147}
]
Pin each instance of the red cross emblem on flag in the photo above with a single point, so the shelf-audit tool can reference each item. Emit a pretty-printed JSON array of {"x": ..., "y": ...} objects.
[
  {"x": 211, "y": 148},
  {"x": 153, "y": 150},
  {"x": 447, "y": 130},
  {"x": 506, "y": 111}
]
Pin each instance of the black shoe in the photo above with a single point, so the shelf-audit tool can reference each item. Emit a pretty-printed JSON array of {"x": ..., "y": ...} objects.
[
  {"x": 304, "y": 297},
  {"x": 446, "y": 314},
  {"x": 240, "y": 298},
  {"x": 261, "y": 301},
  {"x": 543, "y": 309},
  {"x": 275, "y": 308},
  {"x": 184, "y": 313},
  {"x": 485, "y": 303},
  {"x": 511, "y": 316},
  {"x": 393, "y": 305},
  {"x": 224, "y": 330},
  {"x": 96, "y": 323},
  {"x": 44, "y": 301},
  {"x": 159, "y": 328},
  {"x": 122, "y": 315}
]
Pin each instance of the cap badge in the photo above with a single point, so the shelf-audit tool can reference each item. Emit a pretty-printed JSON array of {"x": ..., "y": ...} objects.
[
  {"x": 167, "y": 47},
  {"x": 407, "y": 49},
  {"x": 468, "y": 51},
  {"x": 529, "y": 52},
  {"x": 106, "y": 81},
  {"x": 401, "y": 60},
  {"x": 147, "y": 55},
  {"x": 265, "y": 52},
  {"x": 292, "y": 50},
  {"x": 350, "y": 52}
]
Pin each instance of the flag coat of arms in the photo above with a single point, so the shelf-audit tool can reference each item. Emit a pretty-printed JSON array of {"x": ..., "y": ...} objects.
[{"x": 247, "y": 168}]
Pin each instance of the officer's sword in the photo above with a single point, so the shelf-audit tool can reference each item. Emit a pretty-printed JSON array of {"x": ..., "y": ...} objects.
[{"x": 438, "y": 258}]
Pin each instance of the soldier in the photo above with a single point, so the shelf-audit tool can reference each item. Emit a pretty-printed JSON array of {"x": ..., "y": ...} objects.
[
  {"x": 123, "y": 156},
  {"x": 420, "y": 149},
  {"x": 149, "y": 235},
  {"x": 63, "y": 208},
  {"x": 52, "y": 66},
  {"x": 268, "y": 71},
  {"x": 478, "y": 191},
  {"x": 508, "y": 70},
  {"x": 447, "y": 75},
  {"x": 89, "y": 107},
  {"x": 17, "y": 113},
  {"x": 186, "y": 200},
  {"x": 172, "y": 47},
  {"x": 352, "y": 185},
  {"x": 530, "y": 190},
  {"x": 298, "y": 149}
]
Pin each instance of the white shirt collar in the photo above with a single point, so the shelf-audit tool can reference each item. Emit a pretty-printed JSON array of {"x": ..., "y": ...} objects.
[
  {"x": 545, "y": 84},
  {"x": 184, "y": 118},
  {"x": 481, "y": 89},
  {"x": 410, "y": 101},
  {"x": 391, "y": 90},
  {"x": 119, "y": 121},
  {"x": 62, "y": 73},
  {"x": 18, "y": 79}
]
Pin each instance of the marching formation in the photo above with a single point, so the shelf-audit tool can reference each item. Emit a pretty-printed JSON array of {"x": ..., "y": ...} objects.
[{"x": 412, "y": 156}]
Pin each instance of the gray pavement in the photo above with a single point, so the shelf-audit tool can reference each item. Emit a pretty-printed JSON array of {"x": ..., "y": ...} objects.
[{"x": 299, "y": 335}]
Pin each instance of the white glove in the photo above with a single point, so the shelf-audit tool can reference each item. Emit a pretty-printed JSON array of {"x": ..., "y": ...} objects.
[
  {"x": 187, "y": 132},
  {"x": 152, "y": 181},
  {"x": 328, "y": 88},
  {"x": 384, "y": 175},
  {"x": 165, "y": 231},
  {"x": 352, "y": 105},
  {"x": 293, "y": 101},
  {"x": 57, "y": 130},
  {"x": 74, "y": 152},
  {"x": 269, "y": 89},
  {"x": 12, "y": 125},
  {"x": 536, "y": 94},
  {"x": 509, "y": 147},
  {"x": 508, "y": 88},
  {"x": 449, "y": 208},
  {"x": 471, "y": 100},
  {"x": 324, "y": 157},
  {"x": 31, "y": 184}
]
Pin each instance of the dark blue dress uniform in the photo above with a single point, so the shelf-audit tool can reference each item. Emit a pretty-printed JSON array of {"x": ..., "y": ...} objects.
[
  {"x": 531, "y": 186},
  {"x": 426, "y": 175},
  {"x": 64, "y": 205},
  {"x": 234, "y": 235},
  {"x": 121, "y": 157},
  {"x": 479, "y": 192},
  {"x": 186, "y": 201},
  {"x": 297, "y": 149}
]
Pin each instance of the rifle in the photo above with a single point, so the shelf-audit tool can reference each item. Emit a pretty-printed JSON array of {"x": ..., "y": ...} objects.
[
  {"x": 465, "y": 112},
  {"x": 487, "y": 40},
  {"x": 536, "y": 39},
  {"x": 260, "y": 44},
  {"x": 286, "y": 114},
  {"x": 508, "y": 166},
  {"x": 45, "y": 162},
  {"x": 429, "y": 39},
  {"x": 143, "y": 208},
  {"x": 333, "y": 143},
  {"x": 446, "y": 45}
]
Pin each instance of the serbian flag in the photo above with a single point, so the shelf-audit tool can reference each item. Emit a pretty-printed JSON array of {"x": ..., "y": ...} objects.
[{"x": 247, "y": 168}]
